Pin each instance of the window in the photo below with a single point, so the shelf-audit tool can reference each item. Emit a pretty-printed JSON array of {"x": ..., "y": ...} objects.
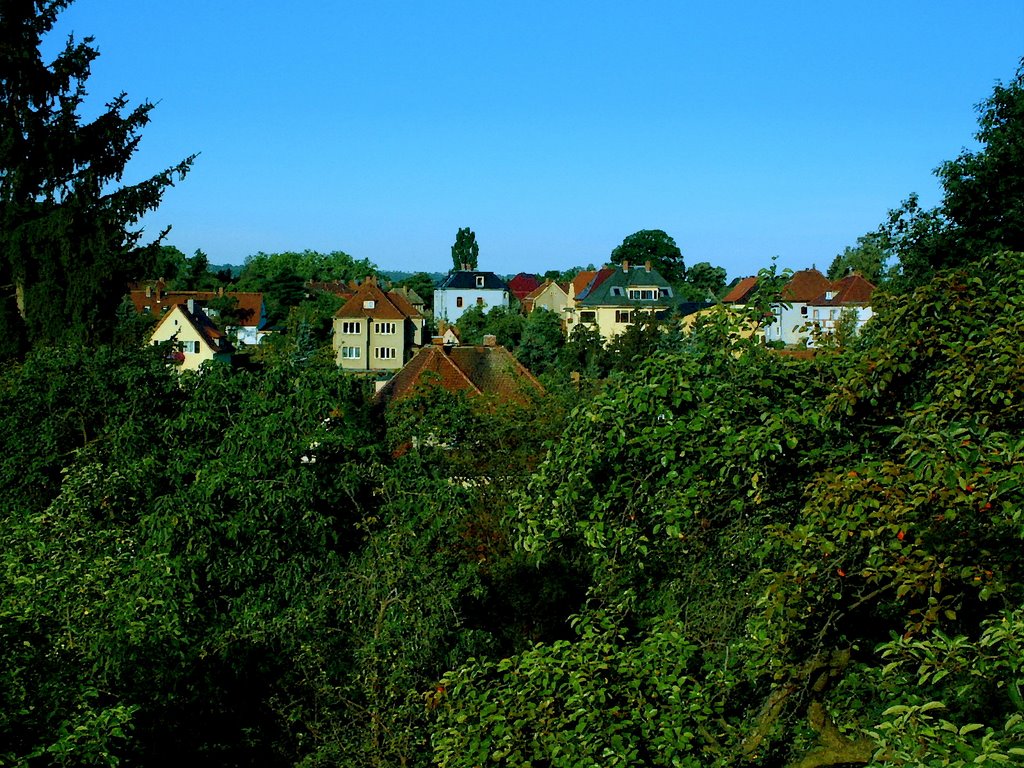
[
  {"x": 479, "y": 301},
  {"x": 642, "y": 294},
  {"x": 384, "y": 353},
  {"x": 458, "y": 301},
  {"x": 147, "y": 310},
  {"x": 389, "y": 328},
  {"x": 369, "y": 304},
  {"x": 479, "y": 281},
  {"x": 351, "y": 327},
  {"x": 190, "y": 346},
  {"x": 815, "y": 314},
  {"x": 587, "y": 317},
  {"x": 622, "y": 316},
  {"x": 665, "y": 293},
  {"x": 350, "y": 353},
  {"x": 617, "y": 290},
  {"x": 803, "y": 311}
]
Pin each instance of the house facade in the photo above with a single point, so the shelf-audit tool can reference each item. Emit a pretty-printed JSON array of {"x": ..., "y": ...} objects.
[
  {"x": 618, "y": 300},
  {"x": 195, "y": 339},
  {"x": 376, "y": 330},
  {"x": 811, "y": 305},
  {"x": 550, "y": 296},
  {"x": 467, "y": 288}
]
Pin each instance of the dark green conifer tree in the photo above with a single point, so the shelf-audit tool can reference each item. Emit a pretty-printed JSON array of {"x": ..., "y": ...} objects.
[{"x": 68, "y": 245}]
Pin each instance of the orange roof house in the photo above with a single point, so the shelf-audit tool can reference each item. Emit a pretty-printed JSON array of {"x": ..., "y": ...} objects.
[{"x": 376, "y": 330}]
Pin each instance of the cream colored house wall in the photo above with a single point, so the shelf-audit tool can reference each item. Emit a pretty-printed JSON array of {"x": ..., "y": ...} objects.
[
  {"x": 176, "y": 327},
  {"x": 371, "y": 345},
  {"x": 552, "y": 298}
]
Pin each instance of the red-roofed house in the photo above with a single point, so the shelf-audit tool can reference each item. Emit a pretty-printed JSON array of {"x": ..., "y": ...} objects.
[
  {"x": 478, "y": 371},
  {"x": 376, "y": 331},
  {"x": 812, "y": 301},
  {"x": 250, "y": 309}
]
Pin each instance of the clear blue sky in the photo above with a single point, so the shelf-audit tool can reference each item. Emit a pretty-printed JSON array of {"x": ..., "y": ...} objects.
[{"x": 553, "y": 129}]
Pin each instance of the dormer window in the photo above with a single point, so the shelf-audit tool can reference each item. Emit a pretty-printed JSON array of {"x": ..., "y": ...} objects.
[
  {"x": 829, "y": 295},
  {"x": 369, "y": 304},
  {"x": 479, "y": 281},
  {"x": 617, "y": 290}
]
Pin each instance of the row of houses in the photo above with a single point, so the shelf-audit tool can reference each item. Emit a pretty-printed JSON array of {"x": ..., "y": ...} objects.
[
  {"x": 380, "y": 330},
  {"x": 811, "y": 305}
]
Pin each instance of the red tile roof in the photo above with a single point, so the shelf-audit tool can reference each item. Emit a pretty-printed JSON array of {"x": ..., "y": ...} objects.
[
  {"x": 250, "y": 304},
  {"x": 370, "y": 301},
  {"x": 740, "y": 292},
  {"x": 522, "y": 284},
  {"x": 852, "y": 289},
  {"x": 805, "y": 286},
  {"x": 476, "y": 370}
]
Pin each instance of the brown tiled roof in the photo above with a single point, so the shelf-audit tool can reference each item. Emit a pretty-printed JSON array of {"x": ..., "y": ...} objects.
[
  {"x": 805, "y": 286},
  {"x": 403, "y": 305},
  {"x": 250, "y": 304},
  {"x": 382, "y": 309},
  {"x": 852, "y": 289},
  {"x": 740, "y": 292},
  {"x": 475, "y": 370}
]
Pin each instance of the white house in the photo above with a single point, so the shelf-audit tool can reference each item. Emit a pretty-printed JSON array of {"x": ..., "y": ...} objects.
[{"x": 466, "y": 288}]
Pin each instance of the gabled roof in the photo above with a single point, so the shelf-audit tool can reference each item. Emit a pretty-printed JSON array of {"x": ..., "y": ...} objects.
[
  {"x": 249, "y": 303},
  {"x": 805, "y": 286},
  {"x": 614, "y": 289},
  {"x": 371, "y": 302},
  {"x": 466, "y": 279},
  {"x": 523, "y": 284},
  {"x": 207, "y": 330},
  {"x": 852, "y": 289},
  {"x": 475, "y": 370},
  {"x": 740, "y": 293},
  {"x": 548, "y": 285},
  {"x": 403, "y": 304},
  {"x": 409, "y": 294}
]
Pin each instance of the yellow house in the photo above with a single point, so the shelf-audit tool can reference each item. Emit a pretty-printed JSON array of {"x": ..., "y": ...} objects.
[
  {"x": 621, "y": 297},
  {"x": 550, "y": 295},
  {"x": 376, "y": 331},
  {"x": 194, "y": 337}
]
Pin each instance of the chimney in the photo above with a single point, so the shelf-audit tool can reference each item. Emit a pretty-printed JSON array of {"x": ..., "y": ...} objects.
[
  {"x": 437, "y": 341},
  {"x": 220, "y": 290},
  {"x": 490, "y": 340},
  {"x": 149, "y": 291},
  {"x": 647, "y": 266},
  {"x": 191, "y": 304},
  {"x": 625, "y": 266}
]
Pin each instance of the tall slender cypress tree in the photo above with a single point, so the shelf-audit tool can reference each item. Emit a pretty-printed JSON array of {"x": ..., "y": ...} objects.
[{"x": 67, "y": 243}]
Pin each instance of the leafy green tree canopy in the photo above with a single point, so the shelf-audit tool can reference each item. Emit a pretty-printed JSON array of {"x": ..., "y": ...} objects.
[
  {"x": 67, "y": 246},
  {"x": 982, "y": 209},
  {"x": 655, "y": 246},
  {"x": 465, "y": 251},
  {"x": 868, "y": 258}
]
